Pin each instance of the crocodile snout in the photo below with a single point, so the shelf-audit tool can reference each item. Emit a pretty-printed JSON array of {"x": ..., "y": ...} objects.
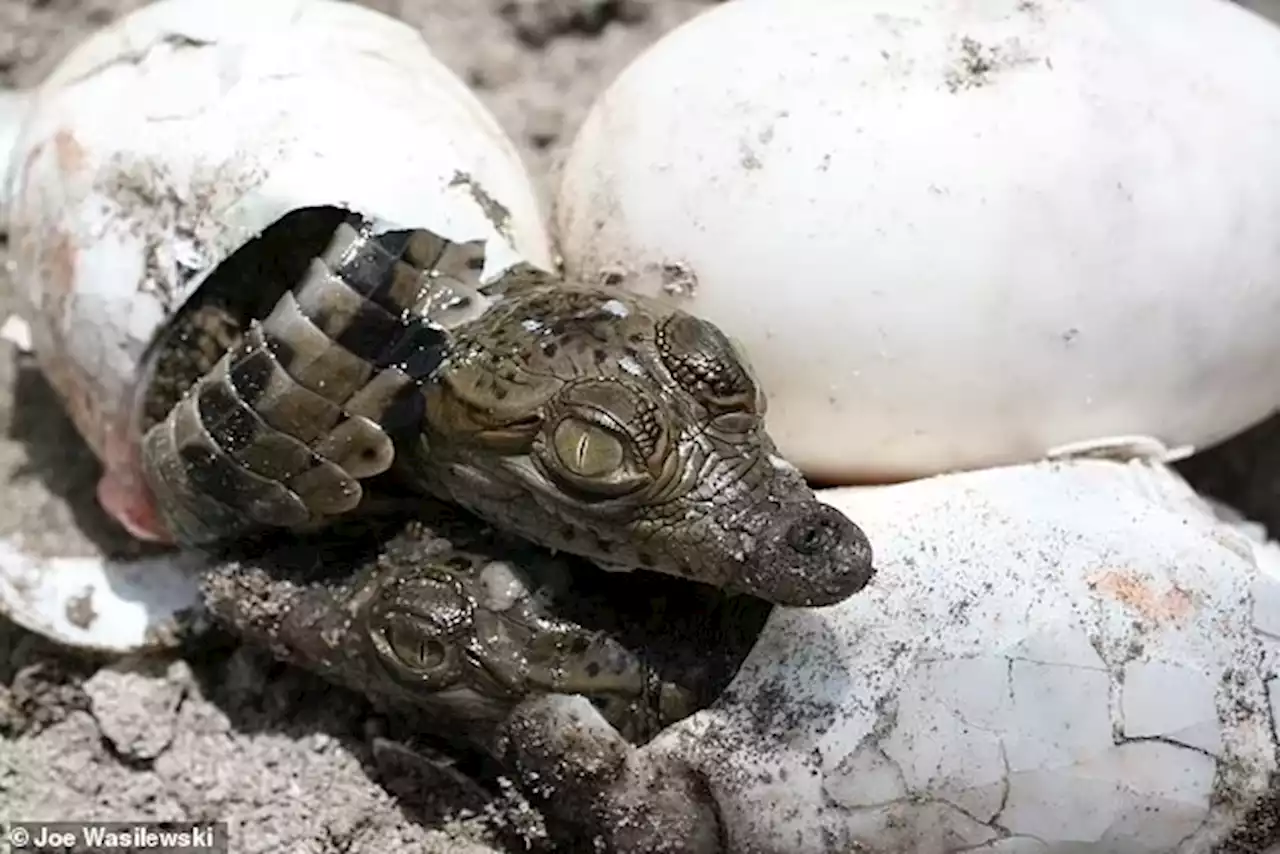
[{"x": 809, "y": 555}]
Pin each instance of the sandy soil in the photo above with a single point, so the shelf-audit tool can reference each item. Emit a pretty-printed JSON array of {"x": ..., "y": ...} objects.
[{"x": 292, "y": 763}]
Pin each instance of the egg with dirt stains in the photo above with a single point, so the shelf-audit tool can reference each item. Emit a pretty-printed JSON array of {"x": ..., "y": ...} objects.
[
  {"x": 955, "y": 235},
  {"x": 156, "y": 150},
  {"x": 1094, "y": 673}
]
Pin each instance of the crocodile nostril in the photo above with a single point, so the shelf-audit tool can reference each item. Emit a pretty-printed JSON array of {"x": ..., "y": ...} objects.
[
  {"x": 810, "y": 536},
  {"x": 812, "y": 555}
]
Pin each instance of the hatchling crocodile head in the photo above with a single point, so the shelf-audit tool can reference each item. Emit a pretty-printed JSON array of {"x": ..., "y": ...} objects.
[{"x": 617, "y": 428}]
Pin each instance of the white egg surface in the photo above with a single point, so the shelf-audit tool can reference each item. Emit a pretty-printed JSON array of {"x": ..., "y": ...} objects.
[
  {"x": 955, "y": 234},
  {"x": 1055, "y": 658}
]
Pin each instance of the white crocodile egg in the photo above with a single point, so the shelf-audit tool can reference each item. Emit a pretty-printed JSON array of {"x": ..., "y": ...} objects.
[
  {"x": 953, "y": 235},
  {"x": 1095, "y": 673}
]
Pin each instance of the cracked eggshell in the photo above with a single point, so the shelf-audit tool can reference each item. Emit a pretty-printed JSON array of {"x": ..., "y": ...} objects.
[
  {"x": 955, "y": 235},
  {"x": 100, "y": 604},
  {"x": 1056, "y": 657},
  {"x": 171, "y": 138}
]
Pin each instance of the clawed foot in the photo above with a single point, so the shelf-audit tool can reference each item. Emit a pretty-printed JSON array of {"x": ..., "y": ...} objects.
[{"x": 611, "y": 796}]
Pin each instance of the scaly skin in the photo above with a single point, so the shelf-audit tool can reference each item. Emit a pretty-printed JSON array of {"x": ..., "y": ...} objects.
[
  {"x": 632, "y": 434},
  {"x": 596, "y": 422},
  {"x": 440, "y": 616}
]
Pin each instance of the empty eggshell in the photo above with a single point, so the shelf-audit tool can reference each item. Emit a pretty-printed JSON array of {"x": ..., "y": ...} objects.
[
  {"x": 166, "y": 142},
  {"x": 955, "y": 235}
]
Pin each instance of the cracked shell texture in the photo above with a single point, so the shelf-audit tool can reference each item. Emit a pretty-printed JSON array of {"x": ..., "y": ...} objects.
[
  {"x": 954, "y": 235},
  {"x": 163, "y": 143},
  {"x": 1068, "y": 657},
  {"x": 172, "y": 137}
]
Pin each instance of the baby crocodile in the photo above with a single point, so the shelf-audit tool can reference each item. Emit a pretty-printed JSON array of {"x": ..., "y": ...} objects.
[
  {"x": 591, "y": 421},
  {"x": 473, "y": 638},
  {"x": 461, "y": 625}
]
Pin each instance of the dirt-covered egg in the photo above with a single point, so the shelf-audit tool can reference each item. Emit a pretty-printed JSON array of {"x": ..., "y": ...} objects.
[
  {"x": 165, "y": 143},
  {"x": 955, "y": 235},
  {"x": 1072, "y": 656}
]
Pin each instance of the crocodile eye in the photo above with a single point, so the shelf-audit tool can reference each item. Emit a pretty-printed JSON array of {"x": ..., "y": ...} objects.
[
  {"x": 587, "y": 450},
  {"x": 736, "y": 423},
  {"x": 418, "y": 631},
  {"x": 415, "y": 651},
  {"x": 604, "y": 438},
  {"x": 589, "y": 457},
  {"x": 706, "y": 363}
]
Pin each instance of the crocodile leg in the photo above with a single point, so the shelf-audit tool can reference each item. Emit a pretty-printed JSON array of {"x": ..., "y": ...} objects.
[{"x": 602, "y": 792}]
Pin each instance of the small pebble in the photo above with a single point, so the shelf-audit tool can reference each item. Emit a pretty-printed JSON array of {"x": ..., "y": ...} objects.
[{"x": 135, "y": 705}]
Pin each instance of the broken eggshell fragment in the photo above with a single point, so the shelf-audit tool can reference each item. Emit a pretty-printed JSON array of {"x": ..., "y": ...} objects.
[
  {"x": 170, "y": 139},
  {"x": 1063, "y": 656},
  {"x": 96, "y": 603}
]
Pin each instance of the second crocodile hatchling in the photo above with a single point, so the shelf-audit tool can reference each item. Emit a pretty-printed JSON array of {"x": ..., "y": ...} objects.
[{"x": 463, "y": 625}]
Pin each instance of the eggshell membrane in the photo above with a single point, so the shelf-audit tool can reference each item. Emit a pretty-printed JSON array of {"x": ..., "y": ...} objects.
[
  {"x": 158, "y": 147},
  {"x": 955, "y": 235},
  {"x": 1062, "y": 656}
]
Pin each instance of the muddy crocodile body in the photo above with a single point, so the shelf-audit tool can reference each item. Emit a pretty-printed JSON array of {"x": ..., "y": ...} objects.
[{"x": 462, "y": 624}]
